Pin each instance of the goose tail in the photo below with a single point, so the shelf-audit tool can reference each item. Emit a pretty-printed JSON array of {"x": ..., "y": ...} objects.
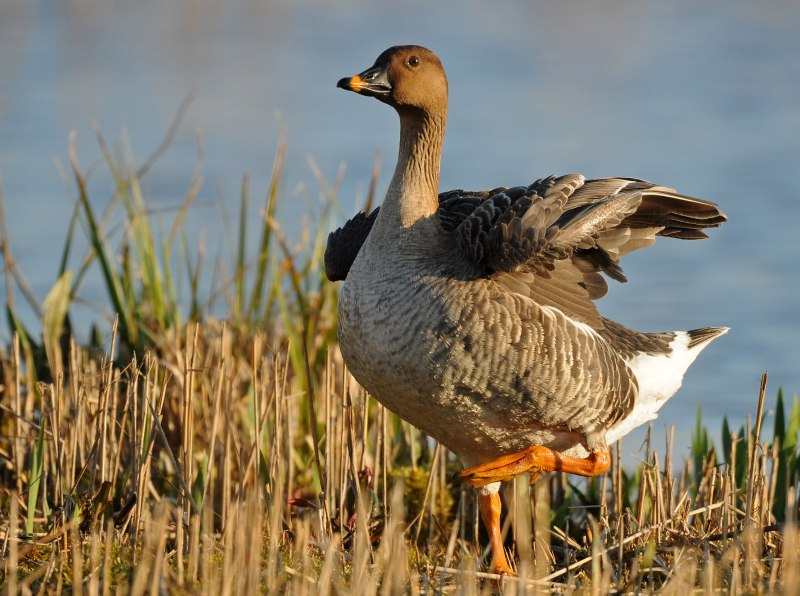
[
  {"x": 700, "y": 338},
  {"x": 659, "y": 376}
]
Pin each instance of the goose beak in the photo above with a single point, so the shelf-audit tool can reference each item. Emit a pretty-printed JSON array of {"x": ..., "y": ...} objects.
[{"x": 373, "y": 82}]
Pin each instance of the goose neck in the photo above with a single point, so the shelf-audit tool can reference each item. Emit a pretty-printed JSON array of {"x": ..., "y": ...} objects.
[{"x": 413, "y": 192}]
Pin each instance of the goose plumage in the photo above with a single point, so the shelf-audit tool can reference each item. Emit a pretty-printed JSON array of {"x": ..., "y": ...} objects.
[{"x": 471, "y": 314}]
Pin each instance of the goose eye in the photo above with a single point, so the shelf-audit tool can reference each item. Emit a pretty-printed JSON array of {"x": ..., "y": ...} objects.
[{"x": 413, "y": 61}]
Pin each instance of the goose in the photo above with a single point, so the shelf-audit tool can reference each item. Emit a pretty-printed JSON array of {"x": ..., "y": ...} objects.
[{"x": 471, "y": 315}]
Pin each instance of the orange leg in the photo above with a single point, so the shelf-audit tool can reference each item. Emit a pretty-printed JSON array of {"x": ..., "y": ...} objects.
[
  {"x": 490, "y": 514},
  {"x": 535, "y": 459}
]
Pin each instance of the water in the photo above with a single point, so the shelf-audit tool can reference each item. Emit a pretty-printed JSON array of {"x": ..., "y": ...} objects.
[{"x": 703, "y": 97}]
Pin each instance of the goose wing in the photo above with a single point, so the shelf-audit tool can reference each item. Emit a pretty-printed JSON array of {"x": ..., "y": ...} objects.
[
  {"x": 345, "y": 242},
  {"x": 552, "y": 240}
]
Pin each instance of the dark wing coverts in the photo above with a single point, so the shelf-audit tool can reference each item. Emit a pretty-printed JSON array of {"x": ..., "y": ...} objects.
[{"x": 344, "y": 244}]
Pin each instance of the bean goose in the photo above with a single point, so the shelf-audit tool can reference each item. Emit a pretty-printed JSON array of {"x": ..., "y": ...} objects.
[{"x": 471, "y": 314}]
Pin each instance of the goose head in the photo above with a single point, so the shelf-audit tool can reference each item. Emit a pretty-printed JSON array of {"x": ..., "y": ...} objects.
[{"x": 408, "y": 78}]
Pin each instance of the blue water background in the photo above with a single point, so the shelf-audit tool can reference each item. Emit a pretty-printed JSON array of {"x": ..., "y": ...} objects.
[{"x": 704, "y": 97}]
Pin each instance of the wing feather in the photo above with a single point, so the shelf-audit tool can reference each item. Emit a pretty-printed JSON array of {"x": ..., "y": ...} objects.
[
  {"x": 552, "y": 240},
  {"x": 567, "y": 231},
  {"x": 344, "y": 244}
]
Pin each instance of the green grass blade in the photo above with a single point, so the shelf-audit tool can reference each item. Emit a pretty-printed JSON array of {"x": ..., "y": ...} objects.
[
  {"x": 153, "y": 286},
  {"x": 726, "y": 441},
  {"x": 200, "y": 481},
  {"x": 779, "y": 431},
  {"x": 240, "y": 266},
  {"x": 781, "y": 465},
  {"x": 35, "y": 360},
  {"x": 700, "y": 448},
  {"x": 128, "y": 328},
  {"x": 193, "y": 271},
  {"x": 73, "y": 222},
  {"x": 152, "y": 305},
  {"x": 742, "y": 455},
  {"x": 56, "y": 306},
  {"x": 35, "y": 477},
  {"x": 254, "y": 307},
  {"x": 790, "y": 444}
]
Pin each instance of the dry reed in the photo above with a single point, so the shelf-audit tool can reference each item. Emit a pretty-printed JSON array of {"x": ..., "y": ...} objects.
[{"x": 204, "y": 470}]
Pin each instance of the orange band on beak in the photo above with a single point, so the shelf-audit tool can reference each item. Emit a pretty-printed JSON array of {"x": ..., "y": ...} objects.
[{"x": 356, "y": 83}]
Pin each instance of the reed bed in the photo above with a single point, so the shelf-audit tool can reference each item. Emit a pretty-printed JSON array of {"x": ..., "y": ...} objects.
[{"x": 186, "y": 454}]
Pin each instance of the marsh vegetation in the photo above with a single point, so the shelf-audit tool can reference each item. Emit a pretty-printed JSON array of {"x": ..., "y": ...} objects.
[{"x": 172, "y": 451}]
